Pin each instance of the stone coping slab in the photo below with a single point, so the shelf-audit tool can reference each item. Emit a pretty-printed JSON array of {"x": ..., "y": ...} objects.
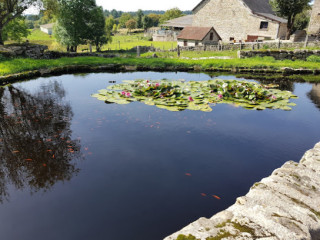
[{"x": 283, "y": 206}]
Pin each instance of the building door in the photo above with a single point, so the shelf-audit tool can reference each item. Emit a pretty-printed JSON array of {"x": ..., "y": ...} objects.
[{"x": 185, "y": 43}]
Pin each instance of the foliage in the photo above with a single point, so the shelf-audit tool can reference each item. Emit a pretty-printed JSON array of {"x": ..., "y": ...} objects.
[
  {"x": 147, "y": 22},
  {"x": 290, "y": 9},
  {"x": 302, "y": 20},
  {"x": 2, "y": 58},
  {"x": 15, "y": 30},
  {"x": 131, "y": 24},
  {"x": 100, "y": 34},
  {"x": 79, "y": 22},
  {"x": 139, "y": 18},
  {"x": 110, "y": 22},
  {"x": 10, "y": 10},
  {"x": 155, "y": 19},
  {"x": 180, "y": 95},
  {"x": 313, "y": 58},
  {"x": 125, "y": 17},
  {"x": 171, "y": 14}
]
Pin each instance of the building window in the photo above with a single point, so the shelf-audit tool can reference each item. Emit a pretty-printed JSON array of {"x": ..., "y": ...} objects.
[
  {"x": 211, "y": 36},
  {"x": 185, "y": 43},
  {"x": 197, "y": 43},
  {"x": 231, "y": 39},
  {"x": 264, "y": 25}
]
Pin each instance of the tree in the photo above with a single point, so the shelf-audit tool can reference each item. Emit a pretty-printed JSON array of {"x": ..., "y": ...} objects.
[
  {"x": 100, "y": 32},
  {"x": 79, "y": 22},
  {"x": 147, "y": 22},
  {"x": 171, "y": 14},
  {"x": 290, "y": 9},
  {"x": 125, "y": 17},
  {"x": 110, "y": 22},
  {"x": 131, "y": 24},
  {"x": 139, "y": 19},
  {"x": 155, "y": 19},
  {"x": 15, "y": 30},
  {"x": 10, "y": 10},
  {"x": 302, "y": 20}
]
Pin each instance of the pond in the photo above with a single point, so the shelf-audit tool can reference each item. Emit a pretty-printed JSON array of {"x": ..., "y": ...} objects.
[{"x": 74, "y": 167}]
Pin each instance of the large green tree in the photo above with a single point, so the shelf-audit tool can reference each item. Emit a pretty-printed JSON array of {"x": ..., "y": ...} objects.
[
  {"x": 12, "y": 9},
  {"x": 139, "y": 18},
  {"x": 290, "y": 9},
  {"x": 80, "y": 22},
  {"x": 100, "y": 33}
]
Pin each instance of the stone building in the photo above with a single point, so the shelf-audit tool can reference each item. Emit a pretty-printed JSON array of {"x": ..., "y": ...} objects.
[
  {"x": 47, "y": 28},
  {"x": 314, "y": 25},
  {"x": 198, "y": 36},
  {"x": 240, "y": 20},
  {"x": 172, "y": 28}
]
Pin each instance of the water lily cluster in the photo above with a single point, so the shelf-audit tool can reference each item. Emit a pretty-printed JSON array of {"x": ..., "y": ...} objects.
[{"x": 197, "y": 95}]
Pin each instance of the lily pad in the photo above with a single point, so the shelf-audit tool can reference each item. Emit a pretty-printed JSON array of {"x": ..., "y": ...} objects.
[{"x": 197, "y": 96}]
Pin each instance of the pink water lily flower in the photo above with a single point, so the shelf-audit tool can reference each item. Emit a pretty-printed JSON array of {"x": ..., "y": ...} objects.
[
  {"x": 220, "y": 96},
  {"x": 123, "y": 93},
  {"x": 128, "y": 94},
  {"x": 190, "y": 99},
  {"x": 273, "y": 97},
  {"x": 157, "y": 84},
  {"x": 148, "y": 81}
]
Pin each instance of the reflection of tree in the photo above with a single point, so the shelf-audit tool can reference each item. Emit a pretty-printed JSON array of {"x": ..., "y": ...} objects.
[
  {"x": 36, "y": 149},
  {"x": 284, "y": 85},
  {"x": 314, "y": 95}
]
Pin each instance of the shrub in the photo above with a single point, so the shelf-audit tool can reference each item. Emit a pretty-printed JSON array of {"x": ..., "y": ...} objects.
[
  {"x": 313, "y": 58},
  {"x": 2, "y": 58}
]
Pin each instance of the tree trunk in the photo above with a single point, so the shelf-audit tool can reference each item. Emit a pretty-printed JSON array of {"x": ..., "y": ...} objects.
[
  {"x": 1, "y": 39},
  {"x": 290, "y": 26}
]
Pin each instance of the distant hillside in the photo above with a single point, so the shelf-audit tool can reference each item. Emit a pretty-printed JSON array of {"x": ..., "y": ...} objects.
[{"x": 117, "y": 14}]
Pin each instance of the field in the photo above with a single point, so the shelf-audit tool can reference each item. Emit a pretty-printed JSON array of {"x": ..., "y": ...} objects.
[{"x": 120, "y": 41}]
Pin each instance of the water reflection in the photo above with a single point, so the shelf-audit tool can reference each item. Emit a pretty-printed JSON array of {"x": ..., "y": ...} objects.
[
  {"x": 314, "y": 95},
  {"x": 36, "y": 148}
]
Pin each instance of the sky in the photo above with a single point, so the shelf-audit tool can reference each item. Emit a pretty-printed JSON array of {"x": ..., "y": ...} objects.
[{"x": 134, "y": 5}]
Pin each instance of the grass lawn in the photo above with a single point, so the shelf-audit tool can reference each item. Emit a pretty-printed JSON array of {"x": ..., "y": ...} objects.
[
  {"x": 20, "y": 65},
  {"x": 132, "y": 40},
  {"x": 194, "y": 54}
]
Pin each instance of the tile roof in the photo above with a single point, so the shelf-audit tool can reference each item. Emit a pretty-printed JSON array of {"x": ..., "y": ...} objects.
[{"x": 194, "y": 33}]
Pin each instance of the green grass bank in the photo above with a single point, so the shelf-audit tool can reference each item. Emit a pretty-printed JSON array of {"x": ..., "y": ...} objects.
[{"x": 12, "y": 66}]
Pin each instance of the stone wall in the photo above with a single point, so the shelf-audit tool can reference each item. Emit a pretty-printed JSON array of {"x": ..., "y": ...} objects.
[
  {"x": 23, "y": 50},
  {"x": 280, "y": 54},
  {"x": 231, "y": 18},
  {"x": 285, "y": 205},
  {"x": 314, "y": 25}
]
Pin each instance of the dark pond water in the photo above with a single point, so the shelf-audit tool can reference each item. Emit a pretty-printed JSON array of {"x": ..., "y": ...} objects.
[{"x": 73, "y": 167}]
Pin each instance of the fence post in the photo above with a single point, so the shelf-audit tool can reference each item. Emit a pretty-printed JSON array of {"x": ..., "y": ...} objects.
[
  {"x": 279, "y": 43},
  {"x": 306, "y": 41},
  {"x": 138, "y": 51},
  {"x": 178, "y": 51}
]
